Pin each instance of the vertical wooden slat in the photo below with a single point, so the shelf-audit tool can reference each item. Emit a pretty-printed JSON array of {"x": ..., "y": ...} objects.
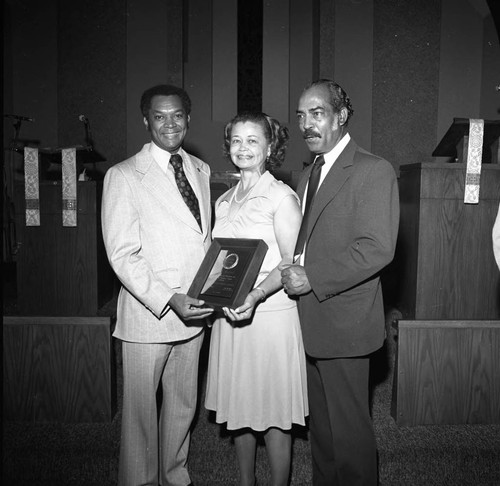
[
  {"x": 224, "y": 59},
  {"x": 152, "y": 58},
  {"x": 303, "y": 69},
  {"x": 460, "y": 58},
  {"x": 353, "y": 63},
  {"x": 326, "y": 26},
  {"x": 276, "y": 59}
]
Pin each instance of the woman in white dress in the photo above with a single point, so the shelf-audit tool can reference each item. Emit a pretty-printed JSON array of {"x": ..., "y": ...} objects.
[{"x": 256, "y": 373}]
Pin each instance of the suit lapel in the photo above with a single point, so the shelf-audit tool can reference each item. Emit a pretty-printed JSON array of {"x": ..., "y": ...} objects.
[
  {"x": 164, "y": 188},
  {"x": 333, "y": 182},
  {"x": 199, "y": 180},
  {"x": 301, "y": 186}
]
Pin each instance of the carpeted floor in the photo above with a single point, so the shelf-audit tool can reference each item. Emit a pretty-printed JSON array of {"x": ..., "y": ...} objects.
[{"x": 56, "y": 454}]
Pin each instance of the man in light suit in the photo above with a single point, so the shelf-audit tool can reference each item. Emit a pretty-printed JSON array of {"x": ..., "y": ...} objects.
[
  {"x": 155, "y": 244},
  {"x": 350, "y": 237}
]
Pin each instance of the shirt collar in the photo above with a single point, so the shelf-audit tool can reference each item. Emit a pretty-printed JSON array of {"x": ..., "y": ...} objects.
[
  {"x": 162, "y": 157},
  {"x": 260, "y": 189},
  {"x": 333, "y": 155}
]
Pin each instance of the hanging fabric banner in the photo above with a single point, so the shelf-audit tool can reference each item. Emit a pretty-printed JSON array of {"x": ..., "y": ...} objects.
[
  {"x": 31, "y": 186},
  {"x": 69, "y": 187},
  {"x": 474, "y": 159}
]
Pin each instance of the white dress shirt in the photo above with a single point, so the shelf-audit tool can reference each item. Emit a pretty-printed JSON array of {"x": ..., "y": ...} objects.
[
  {"x": 330, "y": 158},
  {"x": 162, "y": 157}
]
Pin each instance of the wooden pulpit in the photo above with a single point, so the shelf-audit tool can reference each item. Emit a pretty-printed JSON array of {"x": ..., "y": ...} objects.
[
  {"x": 448, "y": 358},
  {"x": 455, "y": 142},
  {"x": 86, "y": 158},
  {"x": 62, "y": 271},
  {"x": 58, "y": 362}
]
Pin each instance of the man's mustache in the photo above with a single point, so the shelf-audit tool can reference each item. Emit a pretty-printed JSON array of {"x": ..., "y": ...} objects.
[{"x": 311, "y": 133}]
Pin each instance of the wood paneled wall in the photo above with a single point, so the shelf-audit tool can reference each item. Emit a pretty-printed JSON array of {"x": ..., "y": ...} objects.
[{"x": 397, "y": 59}]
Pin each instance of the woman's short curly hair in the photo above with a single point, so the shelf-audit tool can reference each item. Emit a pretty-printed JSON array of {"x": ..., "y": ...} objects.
[{"x": 276, "y": 135}]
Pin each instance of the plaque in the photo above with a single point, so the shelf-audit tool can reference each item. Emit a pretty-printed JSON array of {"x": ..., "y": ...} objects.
[{"x": 228, "y": 272}]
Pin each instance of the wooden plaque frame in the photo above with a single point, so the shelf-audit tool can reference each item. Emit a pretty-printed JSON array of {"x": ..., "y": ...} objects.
[{"x": 228, "y": 272}]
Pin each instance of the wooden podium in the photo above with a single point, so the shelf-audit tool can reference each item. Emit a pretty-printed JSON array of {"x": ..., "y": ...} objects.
[
  {"x": 448, "y": 358},
  {"x": 58, "y": 369},
  {"x": 449, "y": 270},
  {"x": 58, "y": 355},
  {"x": 62, "y": 271}
]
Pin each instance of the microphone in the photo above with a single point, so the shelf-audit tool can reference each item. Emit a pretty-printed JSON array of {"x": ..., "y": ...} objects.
[
  {"x": 21, "y": 118},
  {"x": 88, "y": 133}
]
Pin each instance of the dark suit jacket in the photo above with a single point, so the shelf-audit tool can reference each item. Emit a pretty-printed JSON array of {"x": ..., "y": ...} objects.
[{"x": 353, "y": 228}]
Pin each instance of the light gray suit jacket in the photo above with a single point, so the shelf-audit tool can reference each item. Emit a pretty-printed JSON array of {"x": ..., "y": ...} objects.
[{"x": 154, "y": 244}]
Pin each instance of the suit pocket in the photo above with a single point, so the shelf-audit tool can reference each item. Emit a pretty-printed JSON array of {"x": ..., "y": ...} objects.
[
  {"x": 356, "y": 304},
  {"x": 364, "y": 288},
  {"x": 171, "y": 276}
]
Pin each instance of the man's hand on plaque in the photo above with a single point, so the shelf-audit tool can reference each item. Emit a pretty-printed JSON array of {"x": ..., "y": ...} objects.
[{"x": 188, "y": 308}]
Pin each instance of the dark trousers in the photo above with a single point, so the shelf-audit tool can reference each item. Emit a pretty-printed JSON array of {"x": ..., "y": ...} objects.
[{"x": 344, "y": 451}]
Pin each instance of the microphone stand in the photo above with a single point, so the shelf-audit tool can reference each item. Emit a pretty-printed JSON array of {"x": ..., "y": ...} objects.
[
  {"x": 10, "y": 245},
  {"x": 89, "y": 143}
]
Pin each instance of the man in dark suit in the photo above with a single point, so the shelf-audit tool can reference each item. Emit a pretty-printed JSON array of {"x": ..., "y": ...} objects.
[{"x": 350, "y": 236}]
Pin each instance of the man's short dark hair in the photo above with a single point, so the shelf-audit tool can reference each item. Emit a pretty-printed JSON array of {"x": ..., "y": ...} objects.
[
  {"x": 338, "y": 97},
  {"x": 164, "y": 90}
]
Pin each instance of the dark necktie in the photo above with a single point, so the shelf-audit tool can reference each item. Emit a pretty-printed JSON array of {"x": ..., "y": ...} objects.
[
  {"x": 185, "y": 188},
  {"x": 314, "y": 177}
]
